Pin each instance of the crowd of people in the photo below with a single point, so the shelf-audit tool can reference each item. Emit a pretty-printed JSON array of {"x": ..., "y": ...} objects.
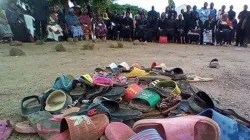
[{"x": 206, "y": 26}]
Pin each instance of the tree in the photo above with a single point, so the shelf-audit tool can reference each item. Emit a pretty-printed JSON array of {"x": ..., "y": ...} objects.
[{"x": 171, "y": 3}]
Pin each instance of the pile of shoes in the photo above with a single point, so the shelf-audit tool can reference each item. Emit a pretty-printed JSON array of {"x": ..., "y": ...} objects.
[{"x": 132, "y": 102}]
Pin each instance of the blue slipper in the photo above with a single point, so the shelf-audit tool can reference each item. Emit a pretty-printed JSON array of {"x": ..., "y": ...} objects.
[
  {"x": 229, "y": 128},
  {"x": 64, "y": 83}
]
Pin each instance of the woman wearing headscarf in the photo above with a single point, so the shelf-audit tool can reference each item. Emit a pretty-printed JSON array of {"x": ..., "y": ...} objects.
[
  {"x": 17, "y": 24},
  {"x": 100, "y": 27},
  {"x": 127, "y": 27},
  {"x": 224, "y": 27},
  {"x": 208, "y": 32},
  {"x": 141, "y": 28},
  {"x": 5, "y": 30},
  {"x": 180, "y": 26},
  {"x": 54, "y": 30},
  {"x": 86, "y": 23},
  {"x": 74, "y": 24}
]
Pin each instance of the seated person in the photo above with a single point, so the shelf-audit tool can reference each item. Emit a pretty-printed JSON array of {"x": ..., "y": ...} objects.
[
  {"x": 180, "y": 26},
  {"x": 152, "y": 28},
  {"x": 209, "y": 27},
  {"x": 100, "y": 27},
  {"x": 17, "y": 24},
  {"x": 195, "y": 29},
  {"x": 74, "y": 25},
  {"x": 54, "y": 30},
  {"x": 5, "y": 30},
  {"x": 222, "y": 34},
  {"x": 127, "y": 27},
  {"x": 141, "y": 28},
  {"x": 170, "y": 28},
  {"x": 107, "y": 22},
  {"x": 86, "y": 23}
]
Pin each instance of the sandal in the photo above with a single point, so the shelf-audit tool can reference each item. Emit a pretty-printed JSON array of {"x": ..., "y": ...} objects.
[
  {"x": 5, "y": 130},
  {"x": 214, "y": 63},
  {"x": 30, "y": 104}
]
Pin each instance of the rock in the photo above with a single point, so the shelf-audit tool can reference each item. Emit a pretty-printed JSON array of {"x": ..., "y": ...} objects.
[
  {"x": 88, "y": 46},
  {"x": 144, "y": 43},
  {"x": 70, "y": 40},
  {"x": 16, "y": 52},
  {"x": 136, "y": 42},
  {"x": 16, "y": 43},
  {"x": 39, "y": 42},
  {"x": 60, "y": 48},
  {"x": 114, "y": 45},
  {"x": 75, "y": 40},
  {"x": 120, "y": 45}
]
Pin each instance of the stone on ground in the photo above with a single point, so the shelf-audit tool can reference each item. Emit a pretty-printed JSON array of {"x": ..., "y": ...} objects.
[
  {"x": 114, "y": 45},
  {"x": 70, "y": 40},
  {"x": 136, "y": 42},
  {"x": 16, "y": 43},
  {"x": 60, "y": 48},
  {"x": 75, "y": 39},
  {"x": 39, "y": 42},
  {"x": 89, "y": 46},
  {"x": 16, "y": 52},
  {"x": 120, "y": 45}
]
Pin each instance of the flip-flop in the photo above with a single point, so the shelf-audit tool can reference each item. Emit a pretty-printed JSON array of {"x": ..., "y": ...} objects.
[
  {"x": 5, "y": 130},
  {"x": 24, "y": 127},
  {"x": 65, "y": 113},
  {"x": 137, "y": 65},
  {"x": 173, "y": 71},
  {"x": 57, "y": 101},
  {"x": 124, "y": 67},
  {"x": 64, "y": 83},
  {"x": 30, "y": 105},
  {"x": 214, "y": 63},
  {"x": 79, "y": 90},
  {"x": 229, "y": 128},
  {"x": 167, "y": 87},
  {"x": 102, "y": 79},
  {"x": 168, "y": 104},
  {"x": 194, "y": 79},
  {"x": 197, "y": 103},
  {"x": 145, "y": 101},
  {"x": 41, "y": 122},
  {"x": 82, "y": 127},
  {"x": 186, "y": 89},
  {"x": 148, "y": 134},
  {"x": 136, "y": 72},
  {"x": 131, "y": 92},
  {"x": 113, "y": 93},
  {"x": 123, "y": 133},
  {"x": 182, "y": 128},
  {"x": 87, "y": 79},
  {"x": 146, "y": 80}
]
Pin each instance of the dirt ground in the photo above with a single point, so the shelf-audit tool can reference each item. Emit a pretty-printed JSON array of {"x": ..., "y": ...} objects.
[{"x": 34, "y": 73}]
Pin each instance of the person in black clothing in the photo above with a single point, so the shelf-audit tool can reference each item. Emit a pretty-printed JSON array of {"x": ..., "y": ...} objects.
[
  {"x": 194, "y": 13},
  {"x": 162, "y": 24},
  {"x": 209, "y": 26},
  {"x": 170, "y": 29},
  {"x": 187, "y": 18},
  {"x": 180, "y": 26},
  {"x": 172, "y": 13},
  {"x": 40, "y": 11},
  {"x": 127, "y": 27},
  {"x": 240, "y": 31},
  {"x": 152, "y": 12},
  {"x": 152, "y": 29},
  {"x": 167, "y": 12},
  {"x": 141, "y": 28},
  {"x": 231, "y": 17},
  {"x": 222, "y": 34},
  {"x": 195, "y": 29},
  {"x": 247, "y": 29}
]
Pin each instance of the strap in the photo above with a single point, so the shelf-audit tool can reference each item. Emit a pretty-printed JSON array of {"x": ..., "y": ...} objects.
[
  {"x": 231, "y": 112},
  {"x": 150, "y": 96},
  {"x": 28, "y": 98}
]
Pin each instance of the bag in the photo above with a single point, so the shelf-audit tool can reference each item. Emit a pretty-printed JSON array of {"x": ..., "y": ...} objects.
[{"x": 163, "y": 40}]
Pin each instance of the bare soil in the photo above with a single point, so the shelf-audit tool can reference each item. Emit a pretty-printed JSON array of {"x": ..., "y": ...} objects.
[{"x": 36, "y": 71}]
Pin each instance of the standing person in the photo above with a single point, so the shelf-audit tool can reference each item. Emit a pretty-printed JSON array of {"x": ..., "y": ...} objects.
[
  {"x": 213, "y": 11},
  {"x": 170, "y": 29},
  {"x": 240, "y": 30},
  {"x": 221, "y": 12},
  {"x": 152, "y": 12},
  {"x": 247, "y": 29},
  {"x": 187, "y": 18},
  {"x": 231, "y": 17},
  {"x": 194, "y": 13},
  {"x": 162, "y": 24},
  {"x": 180, "y": 26},
  {"x": 127, "y": 27},
  {"x": 40, "y": 11},
  {"x": 167, "y": 12},
  {"x": 182, "y": 11},
  {"x": 204, "y": 13}
]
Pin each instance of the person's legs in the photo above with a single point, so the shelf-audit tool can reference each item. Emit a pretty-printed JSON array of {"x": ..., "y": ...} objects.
[
  {"x": 43, "y": 27},
  {"x": 38, "y": 28}
]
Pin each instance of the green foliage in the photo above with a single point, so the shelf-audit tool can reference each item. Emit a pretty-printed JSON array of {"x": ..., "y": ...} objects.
[{"x": 171, "y": 3}]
